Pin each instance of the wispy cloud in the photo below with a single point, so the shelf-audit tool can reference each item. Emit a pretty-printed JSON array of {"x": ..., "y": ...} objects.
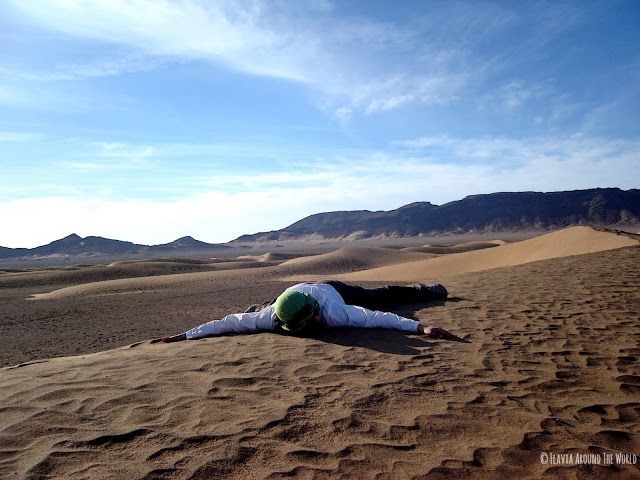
[
  {"x": 19, "y": 136},
  {"x": 398, "y": 91},
  {"x": 231, "y": 32},
  {"x": 109, "y": 157},
  {"x": 516, "y": 93},
  {"x": 124, "y": 150},
  {"x": 127, "y": 63},
  {"x": 360, "y": 64},
  {"x": 218, "y": 204},
  {"x": 343, "y": 114},
  {"x": 590, "y": 149}
]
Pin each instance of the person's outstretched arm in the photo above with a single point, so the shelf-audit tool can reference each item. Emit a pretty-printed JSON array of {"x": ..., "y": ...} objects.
[
  {"x": 233, "y": 323},
  {"x": 360, "y": 317}
]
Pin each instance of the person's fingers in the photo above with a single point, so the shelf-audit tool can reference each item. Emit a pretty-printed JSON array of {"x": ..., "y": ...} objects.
[
  {"x": 161, "y": 340},
  {"x": 437, "y": 332}
]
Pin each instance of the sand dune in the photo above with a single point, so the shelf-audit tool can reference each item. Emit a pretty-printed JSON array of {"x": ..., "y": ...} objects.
[
  {"x": 270, "y": 257},
  {"x": 343, "y": 260},
  {"x": 552, "y": 367},
  {"x": 462, "y": 247},
  {"x": 117, "y": 270},
  {"x": 178, "y": 261},
  {"x": 562, "y": 243},
  {"x": 348, "y": 259},
  {"x": 135, "y": 284},
  {"x": 355, "y": 264}
]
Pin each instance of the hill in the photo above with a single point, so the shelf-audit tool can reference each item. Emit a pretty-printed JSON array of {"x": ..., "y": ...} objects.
[
  {"x": 491, "y": 212},
  {"x": 74, "y": 246}
]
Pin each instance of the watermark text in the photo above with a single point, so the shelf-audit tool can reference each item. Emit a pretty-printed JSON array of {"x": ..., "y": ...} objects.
[{"x": 615, "y": 458}]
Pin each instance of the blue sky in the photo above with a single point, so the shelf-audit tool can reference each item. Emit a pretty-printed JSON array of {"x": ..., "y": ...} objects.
[{"x": 147, "y": 120}]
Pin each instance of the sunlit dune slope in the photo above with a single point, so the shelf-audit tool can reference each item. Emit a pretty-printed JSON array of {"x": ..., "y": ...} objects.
[
  {"x": 269, "y": 257},
  {"x": 463, "y": 247},
  {"x": 562, "y": 243},
  {"x": 356, "y": 263},
  {"x": 343, "y": 260},
  {"x": 349, "y": 259}
]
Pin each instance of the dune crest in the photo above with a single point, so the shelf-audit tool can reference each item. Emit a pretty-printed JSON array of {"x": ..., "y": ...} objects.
[
  {"x": 349, "y": 258},
  {"x": 458, "y": 248},
  {"x": 269, "y": 257}
]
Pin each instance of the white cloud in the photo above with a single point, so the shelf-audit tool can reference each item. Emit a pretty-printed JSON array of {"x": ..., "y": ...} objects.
[
  {"x": 124, "y": 150},
  {"x": 231, "y": 32},
  {"x": 231, "y": 203},
  {"x": 343, "y": 114},
  {"x": 213, "y": 216},
  {"x": 439, "y": 88},
  {"x": 423, "y": 142},
  {"x": 109, "y": 157},
  {"x": 515, "y": 94},
  {"x": 127, "y": 63},
  {"x": 383, "y": 104},
  {"x": 515, "y": 150},
  {"x": 371, "y": 66},
  {"x": 84, "y": 165}
]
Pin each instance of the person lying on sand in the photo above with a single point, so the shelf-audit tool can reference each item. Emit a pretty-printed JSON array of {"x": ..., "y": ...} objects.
[{"x": 306, "y": 308}]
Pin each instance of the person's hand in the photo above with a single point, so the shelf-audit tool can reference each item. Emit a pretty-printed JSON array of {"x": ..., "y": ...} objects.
[
  {"x": 174, "y": 338},
  {"x": 437, "y": 332}
]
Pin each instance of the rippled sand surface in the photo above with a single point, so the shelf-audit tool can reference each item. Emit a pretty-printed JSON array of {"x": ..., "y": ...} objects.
[{"x": 552, "y": 367}]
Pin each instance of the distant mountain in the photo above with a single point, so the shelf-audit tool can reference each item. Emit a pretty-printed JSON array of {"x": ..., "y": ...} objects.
[
  {"x": 4, "y": 251},
  {"x": 491, "y": 212},
  {"x": 76, "y": 246},
  {"x": 183, "y": 242}
]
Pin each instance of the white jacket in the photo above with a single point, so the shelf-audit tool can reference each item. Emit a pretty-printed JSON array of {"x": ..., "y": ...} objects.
[{"x": 335, "y": 313}]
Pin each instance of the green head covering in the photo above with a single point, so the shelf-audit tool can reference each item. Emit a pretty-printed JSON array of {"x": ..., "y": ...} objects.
[{"x": 295, "y": 309}]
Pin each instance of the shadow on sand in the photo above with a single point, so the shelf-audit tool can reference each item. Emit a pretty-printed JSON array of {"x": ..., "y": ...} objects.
[{"x": 382, "y": 340}]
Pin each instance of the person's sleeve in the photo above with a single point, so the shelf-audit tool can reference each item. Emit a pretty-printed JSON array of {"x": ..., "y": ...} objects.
[
  {"x": 235, "y": 323},
  {"x": 359, "y": 317}
]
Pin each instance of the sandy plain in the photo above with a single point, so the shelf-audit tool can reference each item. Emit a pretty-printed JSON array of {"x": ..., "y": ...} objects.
[{"x": 552, "y": 368}]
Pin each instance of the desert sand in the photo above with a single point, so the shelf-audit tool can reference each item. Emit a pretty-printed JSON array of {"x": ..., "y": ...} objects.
[{"x": 552, "y": 368}]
